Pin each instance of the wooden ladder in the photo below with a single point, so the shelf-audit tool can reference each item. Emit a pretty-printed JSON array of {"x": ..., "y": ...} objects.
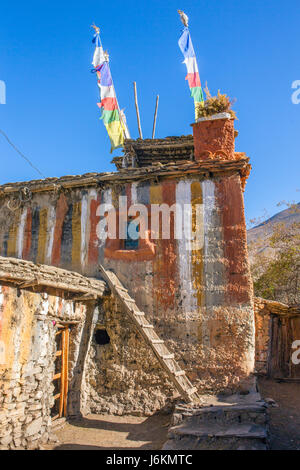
[{"x": 165, "y": 358}]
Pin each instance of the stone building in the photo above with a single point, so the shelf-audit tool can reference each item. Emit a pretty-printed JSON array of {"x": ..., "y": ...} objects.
[
  {"x": 277, "y": 339},
  {"x": 198, "y": 296}
]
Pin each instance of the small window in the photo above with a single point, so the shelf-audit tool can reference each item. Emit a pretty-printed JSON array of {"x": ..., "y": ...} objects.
[
  {"x": 132, "y": 240},
  {"x": 102, "y": 337}
]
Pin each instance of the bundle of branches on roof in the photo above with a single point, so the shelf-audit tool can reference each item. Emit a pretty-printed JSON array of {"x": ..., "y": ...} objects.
[{"x": 215, "y": 105}]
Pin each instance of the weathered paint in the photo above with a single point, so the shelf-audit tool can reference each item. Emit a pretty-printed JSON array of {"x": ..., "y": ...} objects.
[
  {"x": 42, "y": 238},
  {"x": 67, "y": 239},
  {"x": 190, "y": 291},
  {"x": 21, "y": 230},
  {"x": 61, "y": 211},
  {"x": 12, "y": 236},
  {"x": 197, "y": 254},
  {"x": 93, "y": 239},
  {"x": 50, "y": 234},
  {"x": 27, "y": 235},
  {"x": 84, "y": 229},
  {"x": 187, "y": 291},
  {"x": 35, "y": 228},
  {"x": 76, "y": 234},
  {"x": 230, "y": 200}
]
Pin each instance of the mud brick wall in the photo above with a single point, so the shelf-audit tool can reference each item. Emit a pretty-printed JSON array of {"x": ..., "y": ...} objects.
[
  {"x": 199, "y": 300},
  {"x": 27, "y": 344}
]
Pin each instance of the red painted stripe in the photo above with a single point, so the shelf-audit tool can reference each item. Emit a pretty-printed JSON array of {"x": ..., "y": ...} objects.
[
  {"x": 27, "y": 235},
  {"x": 93, "y": 241},
  {"x": 193, "y": 79},
  {"x": 165, "y": 281},
  {"x": 231, "y": 206}
]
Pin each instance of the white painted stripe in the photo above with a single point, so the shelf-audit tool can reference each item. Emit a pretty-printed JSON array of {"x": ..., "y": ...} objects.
[
  {"x": 21, "y": 233},
  {"x": 187, "y": 291},
  {"x": 50, "y": 233},
  {"x": 84, "y": 219},
  {"x": 134, "y": 199},
  {"x": 208, "y": 191}
]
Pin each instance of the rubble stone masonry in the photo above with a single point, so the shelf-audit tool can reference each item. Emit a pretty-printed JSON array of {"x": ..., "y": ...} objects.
[{"x": 28, "y": 323}]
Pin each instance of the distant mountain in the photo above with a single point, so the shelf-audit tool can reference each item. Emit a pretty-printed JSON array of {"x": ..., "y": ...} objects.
[{"x": 258, "y": 236}]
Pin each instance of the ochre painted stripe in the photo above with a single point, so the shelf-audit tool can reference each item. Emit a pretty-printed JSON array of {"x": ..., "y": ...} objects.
[
  {"x": 76, "y": 234},
  {"x": 41, "y": 252},
  {"x": 197, "y": 254},
  {"x": 12, "y": 236}
]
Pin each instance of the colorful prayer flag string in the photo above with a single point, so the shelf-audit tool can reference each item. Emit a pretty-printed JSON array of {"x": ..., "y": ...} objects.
[
  {"x": 193, "y": 77},
  {"x": 110, "y": 111}
]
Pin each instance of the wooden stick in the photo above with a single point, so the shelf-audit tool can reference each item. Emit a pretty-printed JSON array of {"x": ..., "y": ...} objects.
[
  {"x": 155, "y": 117},
  {"x": 137, "y": 110}
]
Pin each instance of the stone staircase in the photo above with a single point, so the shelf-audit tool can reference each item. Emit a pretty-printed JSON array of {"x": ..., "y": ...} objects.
[{"x": 222, "y": 427}]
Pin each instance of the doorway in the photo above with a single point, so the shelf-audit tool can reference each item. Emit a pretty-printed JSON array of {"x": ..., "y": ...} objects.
[{"x": 60, "y": 378}]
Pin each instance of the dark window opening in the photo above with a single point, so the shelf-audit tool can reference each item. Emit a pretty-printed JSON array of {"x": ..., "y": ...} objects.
[
  {"x": 132, "y": 240},
  {"x": 102, "y": 337}
]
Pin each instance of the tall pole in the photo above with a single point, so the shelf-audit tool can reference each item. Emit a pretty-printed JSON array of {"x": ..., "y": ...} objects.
[
  {"x": 155, "y": 117},
  {"x": 137, "y": 110}
]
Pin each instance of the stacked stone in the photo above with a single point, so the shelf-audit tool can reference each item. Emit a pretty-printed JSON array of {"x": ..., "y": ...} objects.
[{"x": 26, "y": 398}]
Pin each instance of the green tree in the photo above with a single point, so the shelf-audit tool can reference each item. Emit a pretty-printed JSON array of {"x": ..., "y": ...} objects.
[{"x": 276, "y": 274}]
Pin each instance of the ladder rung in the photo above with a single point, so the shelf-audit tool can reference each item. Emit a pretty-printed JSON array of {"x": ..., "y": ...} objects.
[
  {"x": 192, "y": 391},
  {"x": 56, "y": 396},
  {"x": 157, "y": 341},
  {"x": 57, "y": 376},
  {"x": 179, "y": 373},
  {"x": 168, "y": 356},
  {"x": 139, "y": 314},
  {"x": 58, "y": 353},
  {"x": 131, "y": 301},
  {"x": 151, "y": 327}
]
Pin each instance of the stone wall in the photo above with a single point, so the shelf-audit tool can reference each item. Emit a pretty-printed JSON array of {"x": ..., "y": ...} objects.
[
  {"x": 263, "y": 326},
  {"x": 200, "y": 299},
  {"x": 28, "y": 323}
]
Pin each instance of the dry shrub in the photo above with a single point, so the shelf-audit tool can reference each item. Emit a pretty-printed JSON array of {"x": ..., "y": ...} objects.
[{"x": 215, "y": 105}]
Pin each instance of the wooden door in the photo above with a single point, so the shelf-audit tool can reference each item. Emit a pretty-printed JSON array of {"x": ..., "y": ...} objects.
[
  {"x": 60, "y": 379},
  {"x": 285, "y": 330}
]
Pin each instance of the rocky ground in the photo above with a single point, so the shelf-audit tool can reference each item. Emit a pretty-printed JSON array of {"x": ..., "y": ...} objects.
[{"x": 285, "y": 415}]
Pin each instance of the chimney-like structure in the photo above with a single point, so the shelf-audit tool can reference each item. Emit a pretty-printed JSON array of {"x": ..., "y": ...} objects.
[{"x": 213, "y": 137}]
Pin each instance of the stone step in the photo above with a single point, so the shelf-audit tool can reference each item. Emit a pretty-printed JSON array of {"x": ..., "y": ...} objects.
[
  {"x": 191, "y": 443},
  {"x": 248, "y": 431},
  {"x": 231, "y": 414},
  {"x": 217, "y": 437}
]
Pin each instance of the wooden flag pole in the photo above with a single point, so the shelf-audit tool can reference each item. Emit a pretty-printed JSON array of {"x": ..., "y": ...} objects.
[
  {"x": 155, "y": 117},
  {"x": 137, "y": 110}
]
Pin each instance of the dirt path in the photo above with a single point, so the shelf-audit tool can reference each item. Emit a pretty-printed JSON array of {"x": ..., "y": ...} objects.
[
  {"x": 108, "y": 432},
  {"x": 284, "y": 419}
]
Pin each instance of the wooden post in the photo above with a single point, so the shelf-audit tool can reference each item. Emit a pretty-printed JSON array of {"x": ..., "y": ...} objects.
[
  {"x": 155, "y": 117},
  {"x": 137, "y": 110}
]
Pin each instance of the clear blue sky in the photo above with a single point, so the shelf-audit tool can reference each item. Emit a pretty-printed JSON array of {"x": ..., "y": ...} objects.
[{"x": 247, "y": 48}]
